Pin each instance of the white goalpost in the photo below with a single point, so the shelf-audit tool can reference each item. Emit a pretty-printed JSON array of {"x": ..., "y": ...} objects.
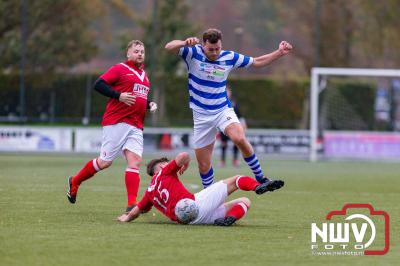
[{"x": 318, "y": 83}]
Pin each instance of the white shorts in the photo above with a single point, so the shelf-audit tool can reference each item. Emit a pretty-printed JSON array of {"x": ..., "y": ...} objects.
[
  {"x": 119, "y": 137},
  {"x": 206, "y": 126},
  {"x": 211, "y": 203}
]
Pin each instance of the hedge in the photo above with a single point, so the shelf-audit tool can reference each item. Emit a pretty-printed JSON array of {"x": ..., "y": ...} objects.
[{"x": 263, "y": 102}]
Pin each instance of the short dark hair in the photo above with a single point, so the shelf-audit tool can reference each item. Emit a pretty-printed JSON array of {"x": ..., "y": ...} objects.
[
  {"x": 151, "y": 165},
  {"x": 212, "y": 36}
]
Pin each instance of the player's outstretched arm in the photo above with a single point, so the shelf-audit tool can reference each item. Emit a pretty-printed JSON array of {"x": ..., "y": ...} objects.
[
  {"x": 175, "y": 45},
  {"x": 182, "y": 160},
  {"x": 261, "y": 61},
  {"x": 132, "y": 215}
]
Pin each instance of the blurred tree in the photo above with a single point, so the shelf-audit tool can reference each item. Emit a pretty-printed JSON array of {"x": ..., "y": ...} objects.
[
  {"x": 208, "y": 13},
  {"x": 378, "y": 35},
  {"x": 58, "y": 33},
  {"x": 167, "y": 21},
  {"x": 263, "y": 22},
  {"x": 358, "y": 33}
]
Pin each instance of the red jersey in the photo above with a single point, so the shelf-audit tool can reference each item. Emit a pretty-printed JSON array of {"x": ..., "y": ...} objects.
[
  {"x": 165, "y": 191},
  {"x": 126, "y": 77}
]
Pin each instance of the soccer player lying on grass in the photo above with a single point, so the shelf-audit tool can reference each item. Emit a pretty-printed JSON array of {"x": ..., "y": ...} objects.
[{"x": 169, "y": 195}]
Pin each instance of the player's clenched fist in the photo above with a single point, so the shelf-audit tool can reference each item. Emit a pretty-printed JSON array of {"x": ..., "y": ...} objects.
[
  {"x": 285, "y": 47},
  {"x": 191, "y": 41},
  {"x": 153, "y": 107}
]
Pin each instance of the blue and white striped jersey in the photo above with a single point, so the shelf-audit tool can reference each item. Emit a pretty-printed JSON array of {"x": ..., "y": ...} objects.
[{"x": 207, "y": 79}]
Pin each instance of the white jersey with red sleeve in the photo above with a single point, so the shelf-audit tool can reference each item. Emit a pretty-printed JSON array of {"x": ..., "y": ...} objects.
[
  {"x": 165, "y": 191},
  {"x": 126, "y": 77}
]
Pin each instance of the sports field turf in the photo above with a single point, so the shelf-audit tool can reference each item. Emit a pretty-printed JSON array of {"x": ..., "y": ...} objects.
[{"x": 39, "y": 227}]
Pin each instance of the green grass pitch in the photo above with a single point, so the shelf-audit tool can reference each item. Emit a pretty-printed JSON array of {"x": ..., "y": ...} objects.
[{"x": 39, "y": 227}]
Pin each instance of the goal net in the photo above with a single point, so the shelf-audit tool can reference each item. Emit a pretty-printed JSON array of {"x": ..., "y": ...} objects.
[{"x": 355, "y": 113}]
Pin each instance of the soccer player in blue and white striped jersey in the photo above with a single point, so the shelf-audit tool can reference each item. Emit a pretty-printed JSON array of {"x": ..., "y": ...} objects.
[{"x": 208, "y": 69}]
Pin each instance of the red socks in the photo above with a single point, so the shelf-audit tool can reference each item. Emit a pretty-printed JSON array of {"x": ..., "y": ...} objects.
[
  {"x": 237, "y": 211},
  {"x": 85, "y": 173},
  {"x": 132, "y": 181},
  {"x": 246, "y": 183}
]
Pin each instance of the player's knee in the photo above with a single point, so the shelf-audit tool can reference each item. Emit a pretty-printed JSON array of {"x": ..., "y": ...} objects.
[
  {"x": 104, "y": 164},
  {"x": 246, "y": 201},
  {"x": 240, "y": 140},
  {"x": 134, "y": 164},
  {"x": 204, "y": 167}
]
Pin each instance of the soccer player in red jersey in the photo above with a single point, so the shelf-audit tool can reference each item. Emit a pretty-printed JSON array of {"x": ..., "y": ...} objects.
[
  {"x": 166, "y": 190},
  {"x": 127, "y": 86}
]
